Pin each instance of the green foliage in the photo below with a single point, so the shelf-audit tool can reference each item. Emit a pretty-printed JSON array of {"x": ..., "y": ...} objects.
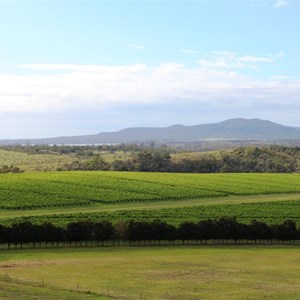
[
  {"x": 97, "y": 163},
  {"x": 266, "y": 159},
  {"x": 153, "y": 161},
  {"x": 224, "y": 228}
]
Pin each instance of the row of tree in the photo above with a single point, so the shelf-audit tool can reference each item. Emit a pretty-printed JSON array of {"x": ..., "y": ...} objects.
[
  {"x": 80, "y": 150},
  {"x": 156, "y": 230}
]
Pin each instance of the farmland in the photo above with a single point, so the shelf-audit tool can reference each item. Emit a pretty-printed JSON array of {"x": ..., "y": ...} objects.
[
  {"x": 34, "y": 190},
  {"x": 173, "y": 272},
  {"x": 268, "y": 212},
  {"x": 153, "y": 273},
  {"x": 60, "y": 197}
]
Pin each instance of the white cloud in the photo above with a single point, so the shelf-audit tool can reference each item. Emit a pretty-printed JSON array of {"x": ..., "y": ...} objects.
[
  {"x": 232, "y": 60},
  {"x": 281, "y": 3},
  {"x": 218, "y": 81},
  {"x": 255, "y": 59},
  {"x": 279, "y": 77},
  {"x": 137, "y": 47},
  {"x": 84, "y": 68},
  {"x": 189, "y": 51},
  {"x": 270, "y": 3}
]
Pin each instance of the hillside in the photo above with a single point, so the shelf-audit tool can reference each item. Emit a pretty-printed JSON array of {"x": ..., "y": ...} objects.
[{"x": 234, "y": 129}]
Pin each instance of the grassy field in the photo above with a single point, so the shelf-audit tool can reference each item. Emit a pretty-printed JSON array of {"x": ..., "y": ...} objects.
[
  {"x": 34, "y": 162},
  {"x": 50, "y": 162},
  {"x": 153, "y": 273},
  {"x": 11, "y": 290}
]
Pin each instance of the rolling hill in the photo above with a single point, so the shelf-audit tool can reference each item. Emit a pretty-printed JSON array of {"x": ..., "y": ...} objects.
[{"x": 233, "y": 129}]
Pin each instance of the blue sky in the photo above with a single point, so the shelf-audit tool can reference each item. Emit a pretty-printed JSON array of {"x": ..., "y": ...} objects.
[{"x": 79, "y": 67}]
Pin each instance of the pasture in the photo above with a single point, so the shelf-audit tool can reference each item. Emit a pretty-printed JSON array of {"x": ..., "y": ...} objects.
[
  {"x": 34, "y": 162},
  {"x": 183, "y": 273}
]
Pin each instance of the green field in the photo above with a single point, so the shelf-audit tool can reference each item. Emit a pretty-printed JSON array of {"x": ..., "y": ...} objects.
[
  {"x": 206, "y": 272},
  {"x": 35, "y": 190},
  {"x": 152, "y": 273},
  {"x": 61, "y": 197}
]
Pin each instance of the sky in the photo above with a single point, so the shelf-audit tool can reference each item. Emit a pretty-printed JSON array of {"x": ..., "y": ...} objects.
[{"x": 83, "y": 67}]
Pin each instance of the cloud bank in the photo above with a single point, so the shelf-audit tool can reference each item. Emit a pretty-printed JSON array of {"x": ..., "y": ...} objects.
[
  {"x": 281, "y": 3},
  {"x": 217, "y": 80}
]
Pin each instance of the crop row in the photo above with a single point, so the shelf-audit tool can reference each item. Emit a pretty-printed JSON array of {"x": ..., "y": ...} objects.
[
  {"x": 268, "y": 212},
  {"x": 36, "y": 190}
]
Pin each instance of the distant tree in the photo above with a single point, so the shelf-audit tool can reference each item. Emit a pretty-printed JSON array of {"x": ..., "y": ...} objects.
[
  {"x": 286, "y": 231},
  {"x": 97, "y": 163},
  {"x": 104, "y": 231},
  {"x": 259, "y": 231},
  {"x": 23, "y": 232},
  {"x": 187, "y": 231},
  {"x": 202, "y": 165},
  {"x": 139, "y": 231},
  {"x": 119, "y": 165},
  {"x": 49, "y": 233},
  {"x": 10, "y": 169},
  {"x": 74, "y": 166},
  {"x": 228, "y": 228},
  {"x": 153, "y": 161},
  {"x": 122, "y": 230},
  {"x": 159, "y": 231},
  {"x": 170, "y": 233},
  {"x": 206, "y": 229},
  {"x": 80, "y": 231},
  {"x": 4, "y": 234}
]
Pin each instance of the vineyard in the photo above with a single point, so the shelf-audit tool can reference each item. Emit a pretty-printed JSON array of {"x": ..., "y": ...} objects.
[
  {"x": 71, "y": 189},
  {"x": 61, "y": 197},
  {"x": 268, "y": 212}
]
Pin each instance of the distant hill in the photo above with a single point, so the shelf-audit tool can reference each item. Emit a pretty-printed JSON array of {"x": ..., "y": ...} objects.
[{"x": 233, "y": 129}]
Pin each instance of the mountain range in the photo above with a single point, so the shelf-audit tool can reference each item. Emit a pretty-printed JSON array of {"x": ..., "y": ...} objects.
[{"x": 233, "y": 129}]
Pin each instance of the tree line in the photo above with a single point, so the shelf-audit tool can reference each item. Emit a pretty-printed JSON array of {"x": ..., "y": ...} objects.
[
  {"x": 80, "y": 150},
  {"x": 162, "y": 158},
  {"x": 250, "y": 159},
  {"x": 222, "y": 229}
]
